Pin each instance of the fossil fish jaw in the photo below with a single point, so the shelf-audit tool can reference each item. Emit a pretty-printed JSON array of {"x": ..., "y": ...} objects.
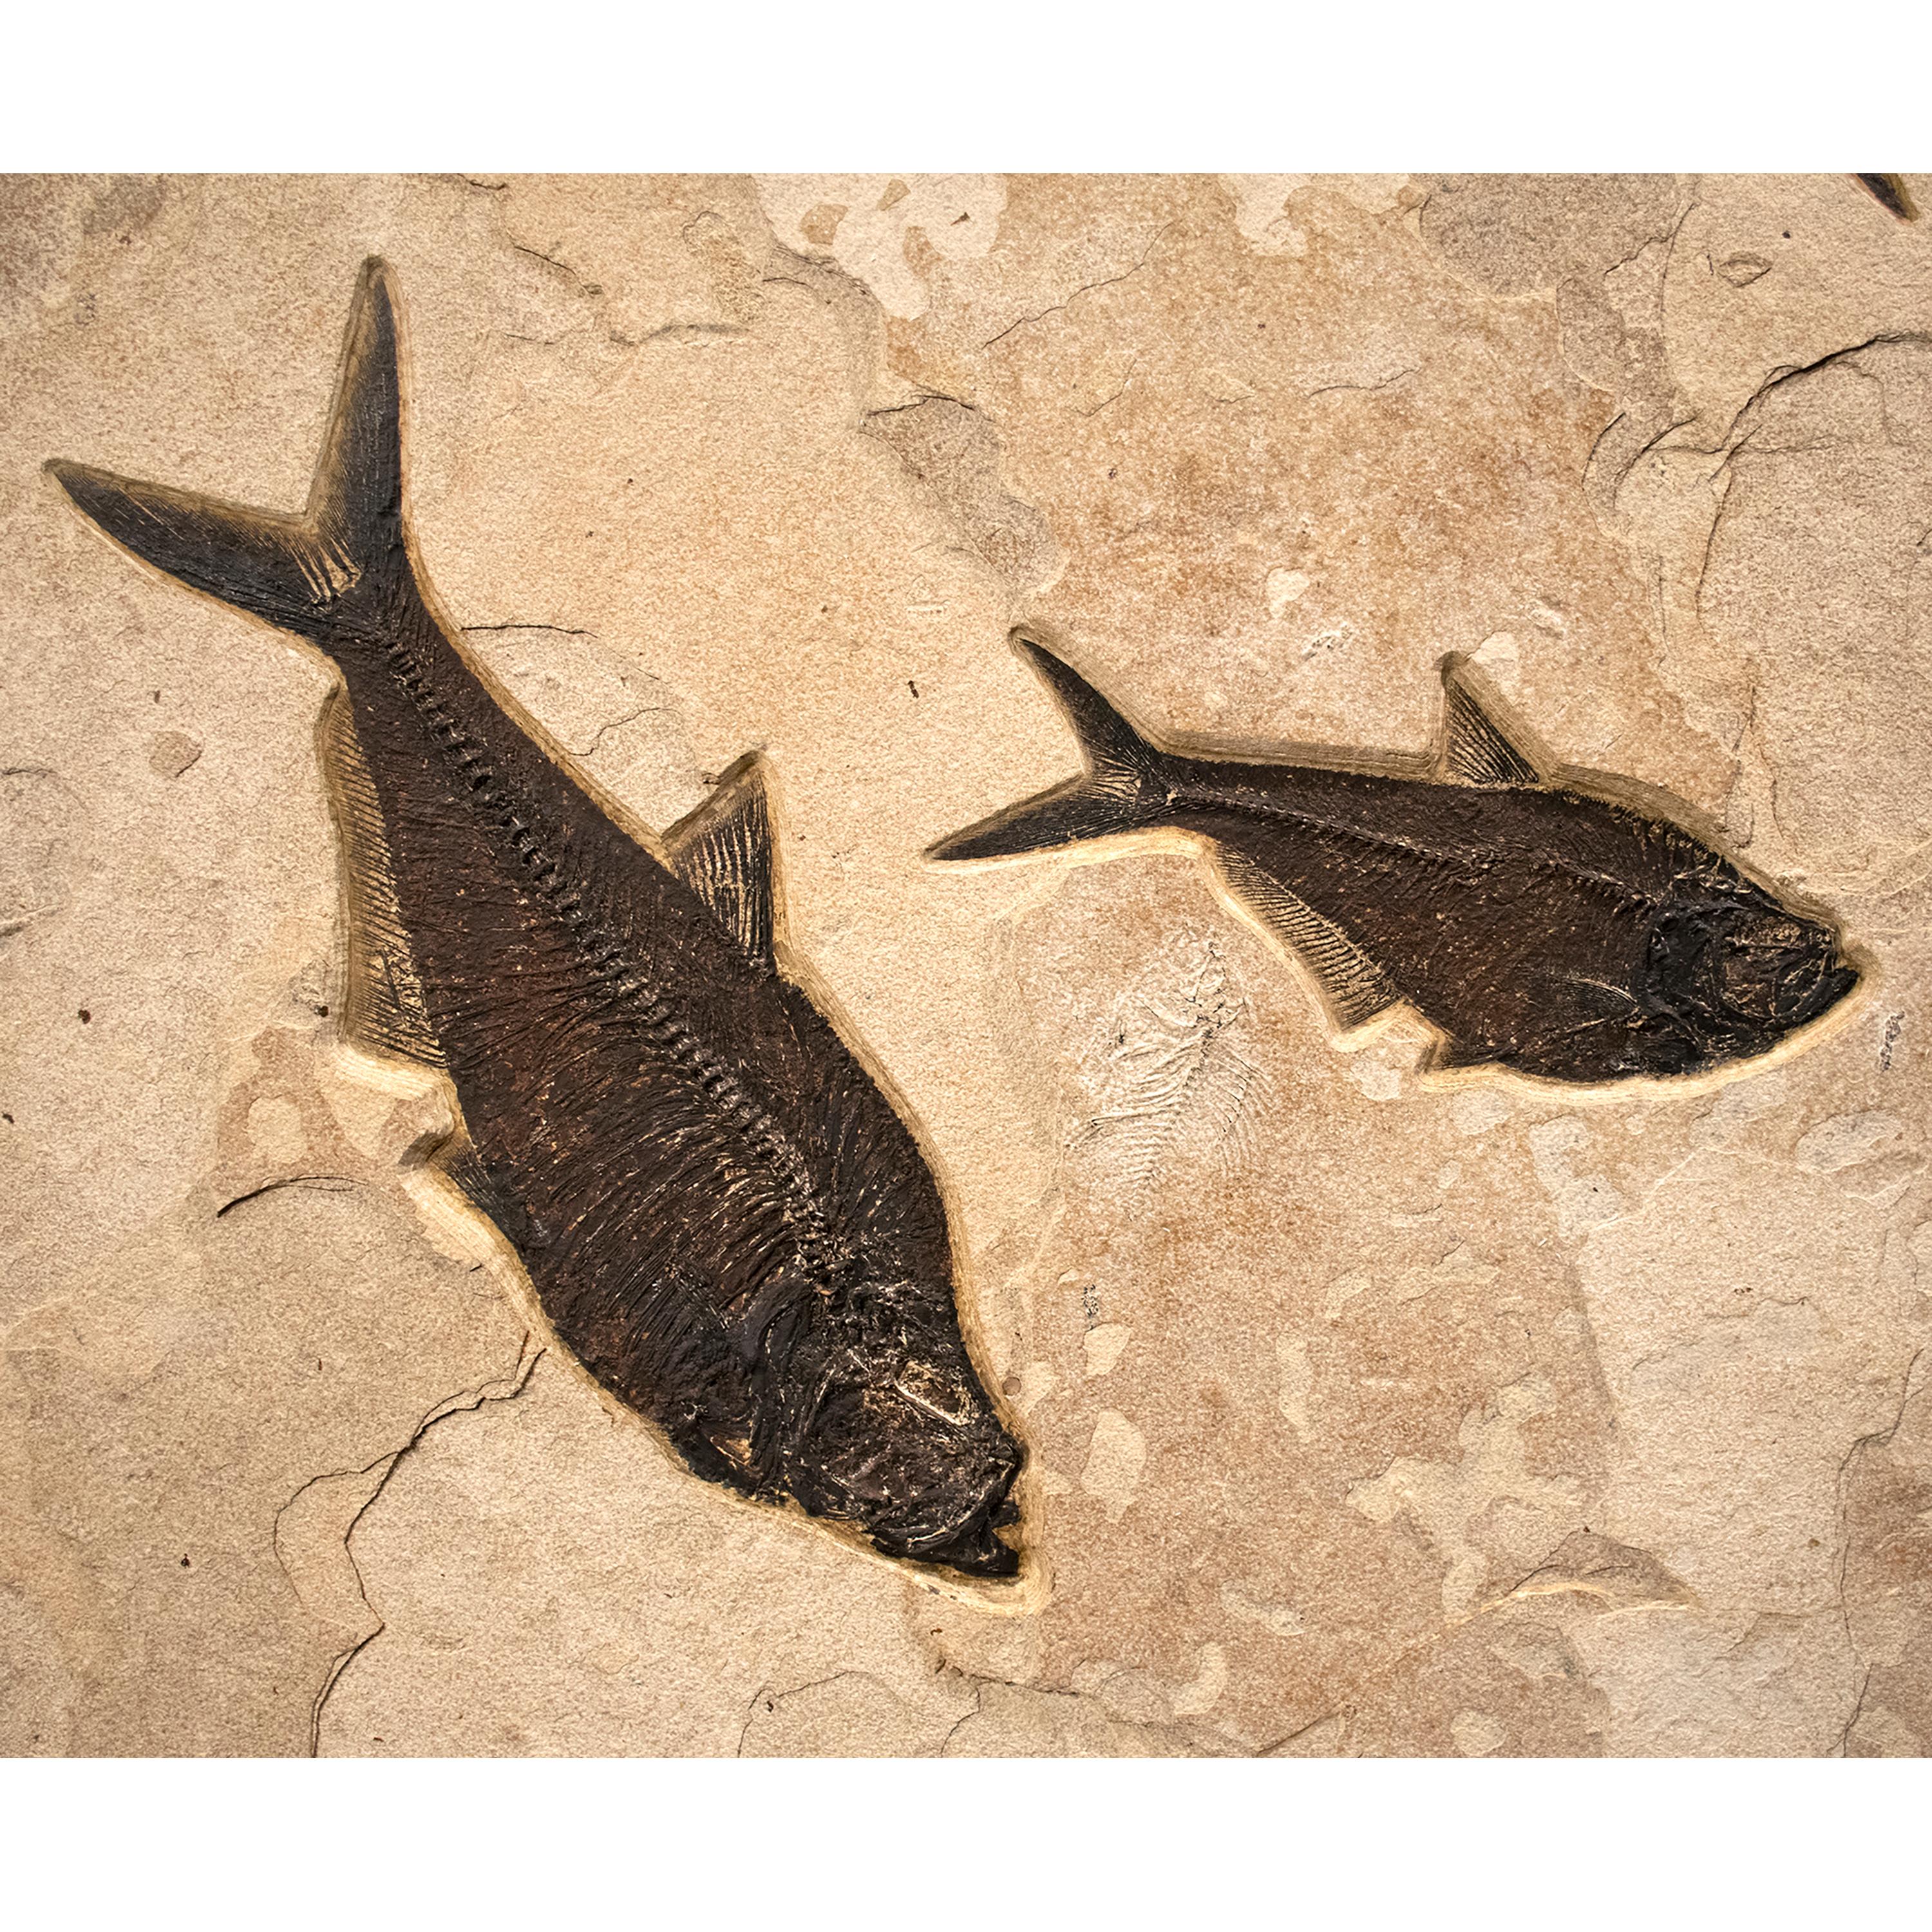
[
  {"x": 872, "y": 1415},
  {"x": 1734, "y": 973}
]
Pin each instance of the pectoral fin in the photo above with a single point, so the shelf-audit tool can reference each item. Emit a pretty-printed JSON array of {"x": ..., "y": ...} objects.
[
  {"x": 1475, "y": 748},
  {"x": 723, "y": 852},
  {"x": 1353, "y": 987}
]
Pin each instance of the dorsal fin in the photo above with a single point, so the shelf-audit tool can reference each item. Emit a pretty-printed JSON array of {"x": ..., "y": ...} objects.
[
  {"x": 1475, "y": 748},
  {"x": 723, "y": 852}
]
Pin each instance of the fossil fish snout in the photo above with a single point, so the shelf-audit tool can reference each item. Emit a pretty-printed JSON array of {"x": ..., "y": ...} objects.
[{"x": 927, "y": 1477}]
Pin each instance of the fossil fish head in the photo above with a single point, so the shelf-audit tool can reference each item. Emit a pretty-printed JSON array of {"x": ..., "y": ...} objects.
[
  {"x": 894, "y": 1436},
  {"x": 1729, "y": 972}
]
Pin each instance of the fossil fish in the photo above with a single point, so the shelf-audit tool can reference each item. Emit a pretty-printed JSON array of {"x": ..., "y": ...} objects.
[
  {"x": 1889, "y": 192},
  {"x": 1534, "y": 926},
  {"x": 722, "y": 1216}
]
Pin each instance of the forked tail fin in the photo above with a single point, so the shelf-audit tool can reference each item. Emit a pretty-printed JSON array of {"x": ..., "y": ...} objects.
[
  {"x": 296, "y": 571},
  {"x": 1124, "y": 786}
]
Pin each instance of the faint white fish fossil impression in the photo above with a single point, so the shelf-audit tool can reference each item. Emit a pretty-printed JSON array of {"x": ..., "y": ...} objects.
[{"x": 1167, "y": 1078}]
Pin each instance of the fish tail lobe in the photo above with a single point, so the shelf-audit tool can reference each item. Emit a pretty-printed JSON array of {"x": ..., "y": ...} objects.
[
  {"x": 297, "y": 572},
  {"x": 1123, "y": 789}
]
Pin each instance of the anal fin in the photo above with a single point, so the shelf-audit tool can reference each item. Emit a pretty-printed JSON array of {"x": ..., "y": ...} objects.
[
  {"x": 1353, "y": 987},
  {"x": 385, "y": 1009},
  {"x": 723, "y": 852}
]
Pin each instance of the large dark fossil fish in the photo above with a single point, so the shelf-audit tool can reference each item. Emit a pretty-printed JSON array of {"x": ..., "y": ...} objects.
[
  {"x": 1534, "y": 926},
  {"x": 722, "y": 1216}
]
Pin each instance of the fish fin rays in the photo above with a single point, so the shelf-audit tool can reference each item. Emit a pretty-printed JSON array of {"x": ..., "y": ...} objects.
[
  {"x": 273, "y": 567},
  {"x": 356, "y": 499},
  {"x": 1476, "y": 749},
  {"x": 384, "y": 1008},
  {"x": 1353, "y": 987},
  {"x": 1065, "y": 816},
  {"x": 1449, "y": 1054},
  {"x": 1122, "y": 790},
  {"x": 1109, "y": 743},
  {"x": 723, "y": 852},
  {"x": 289, "y": 570},
  {"x": 463, "y": 1167}
]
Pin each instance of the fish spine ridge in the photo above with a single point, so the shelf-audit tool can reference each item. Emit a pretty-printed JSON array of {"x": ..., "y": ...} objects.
[{"x": 607, "y": 960}]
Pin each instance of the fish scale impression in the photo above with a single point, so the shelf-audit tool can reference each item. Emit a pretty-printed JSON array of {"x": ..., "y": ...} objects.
[
  {"x": 722, "y": 1215},
  {"x": 1537, "y": 928}
]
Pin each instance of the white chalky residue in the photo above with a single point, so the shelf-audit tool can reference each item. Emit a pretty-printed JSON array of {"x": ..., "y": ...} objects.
[
  {"x": 1285, "y": 587},
  {"x": 1739, "y": 1104},
  {"x": 1261, "y": 204},
  {"x": 1476, "y": 1733},
  {"x": 1297, "y": 1382},
  {"x": 1479, "y": 1110},
  {"x": 1223, "y": 385},
  {"x": 1261, "y": 212},
  {"x": 1849, "y": 1141},
  {"x": 958, "y": 215},
  {"x": 1115, "y": 1458},
  {"x": 1036, "y": 1380},
  {"x": 1500, "y": 656},
  {"x": 1343, "y": 1290},
  {"x": 1449, "y": 1500},
  {"x": 1376, "y": 1078},
  {"x": 1197, "y": 1698},
  {"x": 1582, "y": 1201},
  {"x": 275, "y": 1128},
  {"x": 1104, "y": 1345}
]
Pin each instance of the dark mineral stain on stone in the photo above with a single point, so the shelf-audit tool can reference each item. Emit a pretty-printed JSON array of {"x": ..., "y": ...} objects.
[
  {"x": 172, "y": 753},
  {"x": 1536, "y": 926},
  {"x": 722, "y": 1215}
]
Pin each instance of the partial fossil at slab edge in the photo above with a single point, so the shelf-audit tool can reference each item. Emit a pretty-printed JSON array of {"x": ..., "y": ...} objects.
[
  {"x": 721, "y": 1213},
  {"x": 1536, "y": 927}
]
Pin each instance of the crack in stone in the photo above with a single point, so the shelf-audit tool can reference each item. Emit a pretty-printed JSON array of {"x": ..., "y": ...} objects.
[
  {"x": 504, "y": 1388},
  {"x": 1125, "y": 383},
  {"x": 618, "y": 723},
  {"x": 1876, "y": 1438},
  {"x": 556, "y": 630},
  {"x": 771, "y": 1699},
  {"x": 1339, "y": 1714},
  {"x": 329, "y": 1183},
  {"x": 1360, "y": 388},
  {"x": 1086, "y": 288}
]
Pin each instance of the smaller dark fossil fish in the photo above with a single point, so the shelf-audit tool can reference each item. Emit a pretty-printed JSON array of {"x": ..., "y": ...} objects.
[
  {"x": 1888, "y": 191},
  {"x": 1535, "y": 926},
  {"x": 723, "y": 1217}
]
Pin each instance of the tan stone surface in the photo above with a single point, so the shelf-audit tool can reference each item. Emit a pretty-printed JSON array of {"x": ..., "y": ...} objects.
[{"x": 1367, "y": 1412}]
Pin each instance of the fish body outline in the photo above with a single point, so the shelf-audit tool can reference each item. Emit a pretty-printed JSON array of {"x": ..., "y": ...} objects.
[
  {"x": 1536, "y": 926},
  {"x": 723, "y": 1217}
]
